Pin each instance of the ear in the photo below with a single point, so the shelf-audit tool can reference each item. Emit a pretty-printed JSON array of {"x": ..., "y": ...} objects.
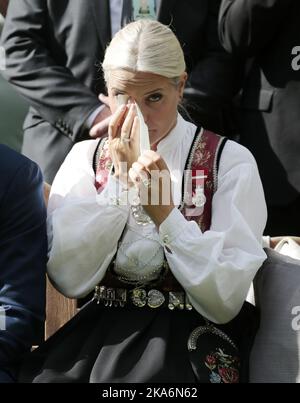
[{"x": 181, "y": 85}]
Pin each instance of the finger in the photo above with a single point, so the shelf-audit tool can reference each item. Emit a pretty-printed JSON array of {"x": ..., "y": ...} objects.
[
  {"x": 115, "y": 121},
  {"x": 156, "y": 158},
  {"x": 128, "y": 122},
  {"x": 135, "y": 178},
  {"x": 135, "y": 131},
  {"x": 148, "y": 163},
  {"x": 104, "y": 99},
  {"x": 100, "y": 129},
  {"x": 140, "y": 171},
  {"x": 143, "y": 182}
]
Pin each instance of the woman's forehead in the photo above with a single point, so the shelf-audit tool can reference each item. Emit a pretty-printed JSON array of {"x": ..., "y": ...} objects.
[{"x": 126, "y": 80}]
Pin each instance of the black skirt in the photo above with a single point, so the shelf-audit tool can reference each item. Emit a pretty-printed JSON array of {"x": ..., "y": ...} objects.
[{"x": 133, "y": 345}]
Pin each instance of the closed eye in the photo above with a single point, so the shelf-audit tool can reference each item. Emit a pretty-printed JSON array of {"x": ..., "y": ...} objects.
[{"x": 116, "y": 93}]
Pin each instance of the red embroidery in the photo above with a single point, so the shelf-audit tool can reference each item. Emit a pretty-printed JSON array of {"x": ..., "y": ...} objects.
[
  {"x": 224, "y": 368},
  {"x": 104, "y": 165},
  {"x": 204, "y": 161}
]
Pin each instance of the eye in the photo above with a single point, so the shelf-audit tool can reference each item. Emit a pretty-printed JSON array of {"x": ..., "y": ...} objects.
[
  {"x": 154, "y": 97},
  {"x": 116, "y": 93}
]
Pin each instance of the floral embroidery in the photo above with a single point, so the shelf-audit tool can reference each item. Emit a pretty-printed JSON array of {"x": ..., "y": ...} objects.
[
  {"x": 104, "y": 166},
  {"x": 215, "y": 378},
  {"x": 204, "y": 159},
  {"x": 202, "y": 155},
  {"x": 223, "y": 367}
]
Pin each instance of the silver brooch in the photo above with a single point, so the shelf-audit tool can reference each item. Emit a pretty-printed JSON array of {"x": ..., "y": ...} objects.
[{"x": 199, "y": 199}]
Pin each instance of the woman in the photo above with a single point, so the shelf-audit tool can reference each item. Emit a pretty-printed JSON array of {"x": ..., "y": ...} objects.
[{"x": 159, "y": 272}]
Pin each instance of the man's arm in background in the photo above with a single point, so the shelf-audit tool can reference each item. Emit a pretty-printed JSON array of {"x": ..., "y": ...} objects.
[
  {"x": 3, "y": 7},
  {"x": 23, "y": 257}
]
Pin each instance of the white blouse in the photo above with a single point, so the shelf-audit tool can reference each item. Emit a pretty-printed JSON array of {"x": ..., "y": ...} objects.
[{"x": 215, "y": 268}]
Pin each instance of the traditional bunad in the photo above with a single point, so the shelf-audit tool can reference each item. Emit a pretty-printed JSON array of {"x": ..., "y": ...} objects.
[{"x": 167, "y": 304}]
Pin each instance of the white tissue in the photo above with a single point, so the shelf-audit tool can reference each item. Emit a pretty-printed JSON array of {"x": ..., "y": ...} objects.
[{"x": 144, "y": 132}]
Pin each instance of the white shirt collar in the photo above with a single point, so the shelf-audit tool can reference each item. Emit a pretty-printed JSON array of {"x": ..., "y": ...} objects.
[{"x": 176, "y": 134}]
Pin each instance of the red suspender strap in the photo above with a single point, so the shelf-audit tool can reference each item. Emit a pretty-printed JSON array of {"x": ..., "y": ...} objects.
[{"x": 201, "y": 177}]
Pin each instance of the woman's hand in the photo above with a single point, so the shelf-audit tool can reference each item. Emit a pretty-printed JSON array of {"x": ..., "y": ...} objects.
[
  {"x": 100, "y": 125},
  {"x": 123, "y": 132},
  {"x": 151, "y": 176}
]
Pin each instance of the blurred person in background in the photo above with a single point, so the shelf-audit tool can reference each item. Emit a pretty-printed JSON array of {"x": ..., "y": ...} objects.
[
  {"x": 266, "y": 35},
  {"x": 11, "y": 103},
  {"x": 23, "y": 253},
  {"x": 3, "y": 7},
  {"x": 54, "y": 49}
]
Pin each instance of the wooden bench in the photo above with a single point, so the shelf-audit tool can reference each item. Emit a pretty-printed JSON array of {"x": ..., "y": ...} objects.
[{"x": 59, "y": 310}]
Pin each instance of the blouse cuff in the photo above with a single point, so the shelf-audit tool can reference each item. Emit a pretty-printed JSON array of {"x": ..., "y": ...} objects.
[
  {"x": 171, "y": 227},
  {"x": 114, "y": 194},
  {"x": 266, "y": 241}
]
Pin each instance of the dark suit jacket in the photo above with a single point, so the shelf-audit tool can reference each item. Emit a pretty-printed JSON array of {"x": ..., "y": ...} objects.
[
  {"x": 54, "y": 49},
  {"x": 267, "y": 31},
  {"x": 23, "y": 251}
]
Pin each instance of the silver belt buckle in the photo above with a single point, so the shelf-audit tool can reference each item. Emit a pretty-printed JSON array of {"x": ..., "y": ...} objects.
[
  {"x": 140, "y": 298},
  {"x": 155, "y": 299},
  {"x": 176, "y": 300},
  {"x": 111, "y": 296}
]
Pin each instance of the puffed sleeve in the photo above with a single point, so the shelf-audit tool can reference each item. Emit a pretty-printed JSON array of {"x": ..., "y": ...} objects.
[
  {"x": 83, "y": 226},
  {"x": 217, "y": 267}
]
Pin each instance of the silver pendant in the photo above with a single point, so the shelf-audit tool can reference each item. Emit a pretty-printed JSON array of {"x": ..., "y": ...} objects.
[{"x": 199, "y": 199}]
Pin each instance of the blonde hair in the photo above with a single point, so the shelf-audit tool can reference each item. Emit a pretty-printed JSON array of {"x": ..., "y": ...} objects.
[{"x": 145, "y": 46}]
